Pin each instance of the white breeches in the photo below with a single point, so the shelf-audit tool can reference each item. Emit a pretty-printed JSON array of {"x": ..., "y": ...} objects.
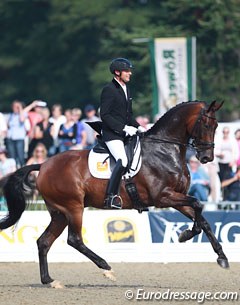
[{"x": 117, "y": 149}]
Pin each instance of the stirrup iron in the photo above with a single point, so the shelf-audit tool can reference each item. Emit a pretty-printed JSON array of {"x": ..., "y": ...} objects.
[
  {"x": 109, "y": 202},
  {"x": 112, "y": 205}
]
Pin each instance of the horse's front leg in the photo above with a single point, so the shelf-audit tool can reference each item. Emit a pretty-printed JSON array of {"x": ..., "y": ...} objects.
[
  {"x": 192, "y": 209},
  {"x": 222, "y": 259}
]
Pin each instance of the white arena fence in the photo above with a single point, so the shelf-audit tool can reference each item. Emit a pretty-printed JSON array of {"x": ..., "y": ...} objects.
[{"x": 125, "y": 236}]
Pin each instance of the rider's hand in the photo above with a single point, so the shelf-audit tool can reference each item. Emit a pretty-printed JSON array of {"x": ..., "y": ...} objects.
[
  {"x": 141, "y": 129},
  {"x": 130, "y": 130}
]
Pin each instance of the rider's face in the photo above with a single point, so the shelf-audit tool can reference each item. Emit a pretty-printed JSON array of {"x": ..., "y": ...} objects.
[{"x": 124, "y": 76}]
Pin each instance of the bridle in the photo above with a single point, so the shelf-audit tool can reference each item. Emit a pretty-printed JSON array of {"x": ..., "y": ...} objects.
[
  {"x": 194, "y": 141},
  {"x": 197, "y": 144}
]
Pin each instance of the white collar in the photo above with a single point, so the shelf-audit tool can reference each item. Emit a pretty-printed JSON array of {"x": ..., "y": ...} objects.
[{"x": 124, "y": 87}]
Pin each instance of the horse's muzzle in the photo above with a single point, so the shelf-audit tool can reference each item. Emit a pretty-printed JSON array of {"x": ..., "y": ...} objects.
[
  {"x": 205, "y": 159},
  {"x": 205, "y": 156}
]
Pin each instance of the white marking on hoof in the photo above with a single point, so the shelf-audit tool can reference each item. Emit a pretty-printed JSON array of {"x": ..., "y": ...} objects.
[
  {"x": 110, "y": 275},
  {"x": 57, "y": 285}
]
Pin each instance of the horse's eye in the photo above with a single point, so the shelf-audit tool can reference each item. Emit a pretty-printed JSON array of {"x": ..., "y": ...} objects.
[{"x": 206, "y": 126}]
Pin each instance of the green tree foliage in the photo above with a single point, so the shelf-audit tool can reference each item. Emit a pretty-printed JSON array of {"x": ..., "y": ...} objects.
[
  {"x": 60, "y": 50},
  {"x": 216, "y": 26}
]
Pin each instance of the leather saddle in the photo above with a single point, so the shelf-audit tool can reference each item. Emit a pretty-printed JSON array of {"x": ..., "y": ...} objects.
[
  {"x": 129, "y": 144},
  {"x": 133, "y": 152}
]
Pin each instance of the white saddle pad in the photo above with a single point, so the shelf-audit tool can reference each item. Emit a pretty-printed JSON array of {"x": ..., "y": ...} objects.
[{"x": 99, "y": 164}]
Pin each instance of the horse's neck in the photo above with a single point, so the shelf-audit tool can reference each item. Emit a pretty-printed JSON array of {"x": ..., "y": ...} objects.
[
  {"x": 174, "y": 125},
  {"x": 161, "y": 156},
  {"x": 173, "y": 129},
  {"x": 168, "y": 138}
]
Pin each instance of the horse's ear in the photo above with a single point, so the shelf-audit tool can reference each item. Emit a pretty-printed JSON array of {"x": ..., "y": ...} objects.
[
  {"x": 211, "y": 107},
  {"x": 218, "y": 106},
  {"x": 214, "y": 106}
]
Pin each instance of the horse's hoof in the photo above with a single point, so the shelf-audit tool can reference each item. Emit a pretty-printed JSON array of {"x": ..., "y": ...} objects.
[
  {"x": 110, "y": 275},
  {"x": 57, "y": 285},
  {"x": 223, "y": 262},
  {"x": 185, "y": 235}
]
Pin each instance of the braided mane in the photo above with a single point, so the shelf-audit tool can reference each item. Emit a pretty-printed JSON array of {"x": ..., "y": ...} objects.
[{"x": 163, "y": 120}]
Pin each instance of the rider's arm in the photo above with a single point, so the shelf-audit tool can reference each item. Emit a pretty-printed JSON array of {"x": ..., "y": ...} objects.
[{"x": 132, "y": 121}]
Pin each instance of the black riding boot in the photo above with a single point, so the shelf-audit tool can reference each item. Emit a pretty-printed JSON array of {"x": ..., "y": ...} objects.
[{"x": 113, "y": 200}]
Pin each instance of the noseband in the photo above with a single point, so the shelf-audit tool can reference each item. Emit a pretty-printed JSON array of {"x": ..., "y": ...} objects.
[{"x": 199, "y": 145}]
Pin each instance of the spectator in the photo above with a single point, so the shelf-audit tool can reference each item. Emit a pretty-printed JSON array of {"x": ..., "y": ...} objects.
[
  {"x": 199, "y": 187},
  {"x": 143, "y": 121},
  {"x": 67, "y": 132},
  {"x": 7, "y": 165},
  {"x": 17, "y": 132},
  {"x": 231, "y": 187},
  {"x": 190, "y": 152},
  {"x": 39, "y": 156},
  {"x": 42, "y": 132},
  {"x": 90, "y": 114},
  {"x": 212, "y": 169},
  {"x": 227, "y": 154},
  {"x": 81, "y": 135},
  {"x": 237, "y": 137},
  {"x": 3, "y": 129},
  {"x": 57, "y": 119},
  {"x": 35, "y": 116}
]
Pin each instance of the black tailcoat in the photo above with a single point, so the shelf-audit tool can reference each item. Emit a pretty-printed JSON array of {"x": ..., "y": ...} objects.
[{"x": 115, "y": 111}]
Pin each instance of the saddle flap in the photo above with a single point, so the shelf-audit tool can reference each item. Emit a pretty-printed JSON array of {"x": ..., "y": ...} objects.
[
  {"x": 130, "y": 145},
  {"x": 100, "y": 161}
]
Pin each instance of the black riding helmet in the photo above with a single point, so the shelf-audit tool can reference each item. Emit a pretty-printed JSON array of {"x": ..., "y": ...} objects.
[{"x": 120, "y": 64}]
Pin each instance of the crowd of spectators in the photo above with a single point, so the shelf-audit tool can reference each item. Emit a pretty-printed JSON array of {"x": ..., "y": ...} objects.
[
  {"x": 33, "y": 133},
  {"x": 219, "y": 180}
]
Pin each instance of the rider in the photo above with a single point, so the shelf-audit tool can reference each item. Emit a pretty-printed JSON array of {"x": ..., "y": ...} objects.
[{"x": 118, "y": 122}]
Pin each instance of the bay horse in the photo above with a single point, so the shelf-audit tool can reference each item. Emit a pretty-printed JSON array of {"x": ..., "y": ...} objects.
[{"x": 66, "y": 185}]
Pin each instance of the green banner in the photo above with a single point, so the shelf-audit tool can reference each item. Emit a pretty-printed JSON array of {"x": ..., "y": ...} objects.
[{"x": 173, "y": 66}]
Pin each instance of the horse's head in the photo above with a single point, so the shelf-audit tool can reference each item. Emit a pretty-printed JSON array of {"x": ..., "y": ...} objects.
[{"x": 203, "y": 132}]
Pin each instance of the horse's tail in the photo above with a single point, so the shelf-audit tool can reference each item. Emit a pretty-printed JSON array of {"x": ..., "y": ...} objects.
[{"x": 14, "y": 193}]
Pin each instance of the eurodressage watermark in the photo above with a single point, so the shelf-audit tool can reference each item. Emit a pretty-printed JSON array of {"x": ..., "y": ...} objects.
[{"x": 168, "y": 295}]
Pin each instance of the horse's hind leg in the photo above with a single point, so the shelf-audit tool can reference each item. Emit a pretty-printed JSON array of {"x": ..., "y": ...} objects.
[
  {"x": 75, "y": 240},
  {"x": 45, "y": 241}
]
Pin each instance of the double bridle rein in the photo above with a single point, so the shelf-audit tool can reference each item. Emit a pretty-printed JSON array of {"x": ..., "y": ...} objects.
[{"x": 198, "y": 145}]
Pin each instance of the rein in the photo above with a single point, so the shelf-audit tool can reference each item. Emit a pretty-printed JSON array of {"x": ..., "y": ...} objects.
[
  {"x": 164, "y": 141},
  {"x": 199, "y": 146}
]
